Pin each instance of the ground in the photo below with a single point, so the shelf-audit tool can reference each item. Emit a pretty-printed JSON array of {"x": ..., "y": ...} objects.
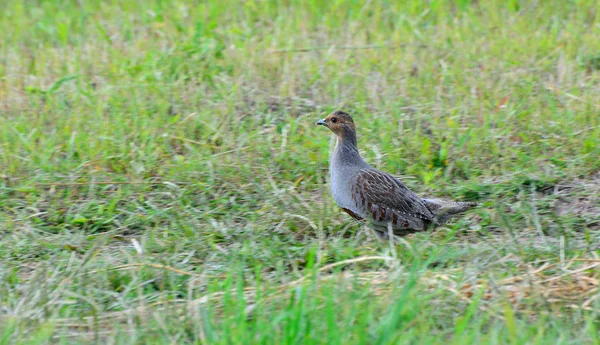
[{"x": 162, "y": 179}]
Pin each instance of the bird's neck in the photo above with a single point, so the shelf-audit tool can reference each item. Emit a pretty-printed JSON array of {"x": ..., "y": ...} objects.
[
  {"x": 347, "y": 137},
  {"x": 346, "y": 149}
]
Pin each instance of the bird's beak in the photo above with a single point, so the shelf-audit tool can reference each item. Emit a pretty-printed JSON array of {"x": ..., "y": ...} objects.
[{"x": 322, "y": 123}]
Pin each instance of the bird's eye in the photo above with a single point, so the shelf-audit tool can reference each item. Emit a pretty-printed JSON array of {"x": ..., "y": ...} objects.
[{"x": 334, "y": 119}]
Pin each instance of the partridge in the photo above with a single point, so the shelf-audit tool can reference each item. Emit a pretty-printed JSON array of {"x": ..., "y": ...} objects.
[{"x": 381, "y": 199}]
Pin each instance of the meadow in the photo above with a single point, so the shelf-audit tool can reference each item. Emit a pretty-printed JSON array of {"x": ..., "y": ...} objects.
[{"x": 162, "y": 180}]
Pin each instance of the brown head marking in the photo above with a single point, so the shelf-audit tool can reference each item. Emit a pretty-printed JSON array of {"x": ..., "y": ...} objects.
[{"x": 339, "y": 122}]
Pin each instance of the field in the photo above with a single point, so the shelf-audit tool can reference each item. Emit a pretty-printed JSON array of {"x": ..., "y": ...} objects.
[{"x": 162, "y": 180}]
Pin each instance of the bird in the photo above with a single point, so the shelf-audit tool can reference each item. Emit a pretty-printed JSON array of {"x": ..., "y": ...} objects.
[{"x": 365, "y": 193}]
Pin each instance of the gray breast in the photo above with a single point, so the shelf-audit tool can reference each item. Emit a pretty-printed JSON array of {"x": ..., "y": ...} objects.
[
  {"x": 341, "y": 189},
  {"x": 343, "y": 176}
]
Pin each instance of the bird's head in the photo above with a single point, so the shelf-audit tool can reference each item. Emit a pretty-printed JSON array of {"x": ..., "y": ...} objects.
[{"x": 339, "y": 123}]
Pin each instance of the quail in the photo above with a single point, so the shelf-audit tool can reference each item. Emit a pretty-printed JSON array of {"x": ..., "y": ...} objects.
[{"x": 364, "y": 192}]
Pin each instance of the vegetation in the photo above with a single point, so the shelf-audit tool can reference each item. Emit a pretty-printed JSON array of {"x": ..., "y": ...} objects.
[{"x": 162, "y": 180}]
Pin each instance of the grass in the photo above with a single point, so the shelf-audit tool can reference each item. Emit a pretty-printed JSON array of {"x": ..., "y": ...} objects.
[{"x": 162, "y": 180}]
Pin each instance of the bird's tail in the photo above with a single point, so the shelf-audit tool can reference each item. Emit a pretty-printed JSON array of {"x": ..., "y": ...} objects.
[{"x": 445, "y": 210}]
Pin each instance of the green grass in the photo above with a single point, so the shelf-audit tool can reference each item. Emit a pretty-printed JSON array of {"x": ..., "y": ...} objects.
[{"x": 162, "y": 180}]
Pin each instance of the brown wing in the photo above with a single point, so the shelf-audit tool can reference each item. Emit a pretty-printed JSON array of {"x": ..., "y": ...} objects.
[{"x": 386, "y": 199}]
